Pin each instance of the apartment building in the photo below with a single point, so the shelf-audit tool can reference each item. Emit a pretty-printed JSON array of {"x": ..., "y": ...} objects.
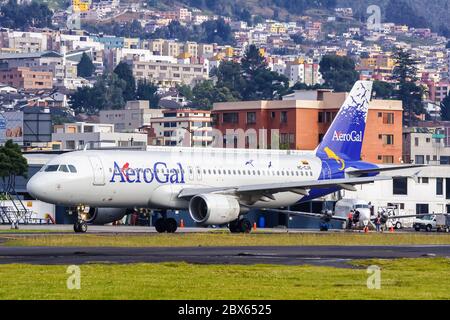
[
  {"x": 426, "y": 145},
  {"x": 135, "y": 115},
  {"x": 170, "y": 74},
  {"x": 27, "y": 79},
  {"x": 49, "y": 61},
  {"x": 182, "y": 127},
  {"x": 24, "y": 41},
  {"x": 75, "y": 136},
  {"x": 301, "y": 120}
]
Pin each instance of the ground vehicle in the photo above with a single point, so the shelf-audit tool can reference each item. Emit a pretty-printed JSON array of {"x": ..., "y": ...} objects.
[
  {"x": 443, "y": 223},
  {"x": 427, "y": 222},
  {"x": 391, "y": 216}
]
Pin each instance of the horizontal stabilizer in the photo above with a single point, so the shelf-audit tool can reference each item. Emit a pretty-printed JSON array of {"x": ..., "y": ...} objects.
[{"x": 359, "y": 172}]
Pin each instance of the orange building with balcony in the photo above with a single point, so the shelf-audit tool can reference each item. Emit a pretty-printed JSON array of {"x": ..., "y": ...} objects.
[{"x": 303, "y": 118}]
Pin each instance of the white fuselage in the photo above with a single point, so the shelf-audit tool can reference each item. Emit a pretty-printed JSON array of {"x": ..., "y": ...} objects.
[{"x": 153, "y": 179}]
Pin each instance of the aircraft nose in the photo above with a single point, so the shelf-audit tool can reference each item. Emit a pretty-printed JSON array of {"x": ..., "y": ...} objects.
[{"x": 35, "y": 187}]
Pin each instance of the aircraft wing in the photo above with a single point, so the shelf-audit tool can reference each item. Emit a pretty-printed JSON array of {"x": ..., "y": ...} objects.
[
  {"x": 357, "y": 172},
  {"x": 306, "y": 214},
  {"x": 300, "y": 187}
]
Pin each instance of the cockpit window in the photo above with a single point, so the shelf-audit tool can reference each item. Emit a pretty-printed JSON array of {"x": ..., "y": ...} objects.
[
  {"x": 72, "y": 168},
  {"x": 52, "y": 168},
  {"x": 63, "y": 168}
]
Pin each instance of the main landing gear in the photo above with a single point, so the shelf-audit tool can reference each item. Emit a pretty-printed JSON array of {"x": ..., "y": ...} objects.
[
  {"x": 240, "y": 226},
  {"x": 80, "y": 225},
  {"x": 165, "y": 224}
]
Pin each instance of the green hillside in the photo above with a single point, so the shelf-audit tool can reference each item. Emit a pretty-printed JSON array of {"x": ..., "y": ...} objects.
[{"x": 416, "y": 13}]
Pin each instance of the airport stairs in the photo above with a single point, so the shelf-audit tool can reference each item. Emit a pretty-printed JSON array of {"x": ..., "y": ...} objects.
[{"x": 13, "y": 211}]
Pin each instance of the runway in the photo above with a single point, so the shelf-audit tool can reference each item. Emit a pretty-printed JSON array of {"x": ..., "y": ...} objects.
[{"x": 337, "y": 256}]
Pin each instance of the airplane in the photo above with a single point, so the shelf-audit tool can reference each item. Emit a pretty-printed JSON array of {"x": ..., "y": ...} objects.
[{"x": 217, "y": 185}]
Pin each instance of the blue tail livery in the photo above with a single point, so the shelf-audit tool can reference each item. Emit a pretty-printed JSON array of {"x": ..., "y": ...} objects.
[{"x": 343, "y": 140}]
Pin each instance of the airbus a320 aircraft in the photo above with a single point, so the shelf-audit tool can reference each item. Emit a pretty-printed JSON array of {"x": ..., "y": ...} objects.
[{"x": 217, "y": 186}]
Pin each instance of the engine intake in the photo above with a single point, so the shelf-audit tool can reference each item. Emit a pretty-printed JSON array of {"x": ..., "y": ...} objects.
[{"x": 210, "y": 209}]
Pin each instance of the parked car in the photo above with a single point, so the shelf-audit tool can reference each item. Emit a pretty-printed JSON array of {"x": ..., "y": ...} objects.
[{"x": 438, "y": 222}]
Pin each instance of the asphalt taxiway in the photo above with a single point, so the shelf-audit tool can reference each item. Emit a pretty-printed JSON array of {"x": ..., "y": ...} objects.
[{"x": 285, "y": 255}]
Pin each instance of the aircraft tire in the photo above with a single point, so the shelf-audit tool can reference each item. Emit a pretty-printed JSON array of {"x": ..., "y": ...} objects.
[
  {"x": 171, "y": 225},
  {"x": 233, "y": 226},
  {"x": 245, "y": 226},
  {"x": 83, "y": 227},
  {"x": 160, "y": 225},
  {"x": 76, "y": 227}
]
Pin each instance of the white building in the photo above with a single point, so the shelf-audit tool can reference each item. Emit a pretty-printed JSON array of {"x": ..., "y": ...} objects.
[
  {"x": 75, "y": 136},
  {"x": 24, "y": 41},
  {"x": 135, "y": 115},
  {"x": 183, "y": 127},
  {"x": 427, "y": 190},
  {"x": 4, "y": 88},
  {"x": 121, "y": 54},
  {"x": 426, "y": 145}
]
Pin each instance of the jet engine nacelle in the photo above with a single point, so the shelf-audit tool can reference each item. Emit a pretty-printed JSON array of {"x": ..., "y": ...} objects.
[
  {"x": 102, "y": 216},
  {"x": 210, "y": 209}
]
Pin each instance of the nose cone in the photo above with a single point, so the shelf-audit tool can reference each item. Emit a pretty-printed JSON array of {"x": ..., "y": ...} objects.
[
  {"x": 35, "y": 187},
  {"x": 365, "y": 215}
]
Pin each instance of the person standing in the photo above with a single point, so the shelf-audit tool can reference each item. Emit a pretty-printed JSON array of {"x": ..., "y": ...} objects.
[
  {"x": 350, "y": 219},
  {"x": 378, "y": 223}
]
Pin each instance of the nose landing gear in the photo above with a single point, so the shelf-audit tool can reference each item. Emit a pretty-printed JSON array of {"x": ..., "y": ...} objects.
[{"x": 80, "y": 226}]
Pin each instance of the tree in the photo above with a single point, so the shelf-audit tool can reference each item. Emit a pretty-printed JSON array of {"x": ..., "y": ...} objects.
[
  {"x": 147, "y": 91},
  {"x": 83, "y": 100},
  {"x": 304, "y": 86},
  {"x": 107, "y": 93},
  {"x": 205, "y": 94},
  {"x": 185, "y": 91},
  {"x": 12, "y": 164},
  {"x": 400, "y": 12},
  {"x": 26, "y": 15},
  {"x": 229, "y": 74},
  {"x": 383, "y": 90},
  {"x": 405, "y": 73},
  {"x": 216, "y": 31},
  {"x": 85, "y": 67},
  {"x": 260, "y": 82},
  {"x": 252, "y": 60},
  {"x": 405, "y": 69},
  {"x": 246, "y": 16},
  {"x": 338, "y": 72},
  {"x": 124, "y": 72},
  {"x": 114, "y": 89},
  {"x": 298, "y": 38},
  {"x": 445, "y": 109}
]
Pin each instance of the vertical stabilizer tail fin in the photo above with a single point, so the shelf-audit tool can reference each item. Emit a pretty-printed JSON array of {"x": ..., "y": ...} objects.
[{"x": 344, "y": 138}]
